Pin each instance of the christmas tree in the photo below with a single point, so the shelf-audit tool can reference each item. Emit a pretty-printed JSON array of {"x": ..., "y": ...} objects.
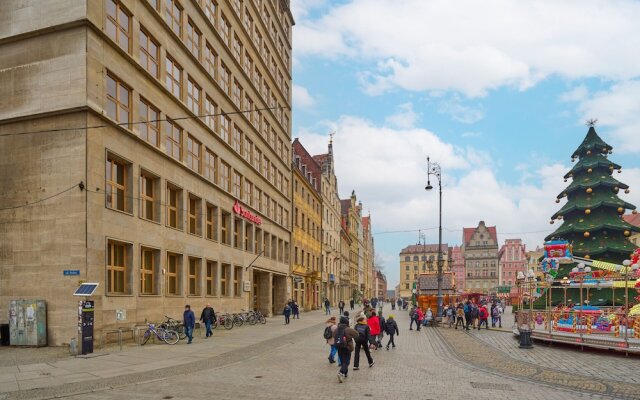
[
  {"x": 592, "y": 216},
  {"x": 592, "y": 220}
]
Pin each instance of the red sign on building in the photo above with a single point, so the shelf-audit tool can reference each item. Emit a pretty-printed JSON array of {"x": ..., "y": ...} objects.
[{"x": 246, "y": 214}]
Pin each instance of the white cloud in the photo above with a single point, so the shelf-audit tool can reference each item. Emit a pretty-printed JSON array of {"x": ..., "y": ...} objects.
[
  {"x": 473, "y": 47},
  {"x": 578, "y": 93},
  {"x": 405, "y": 117},
  {"x": 302, "y": 98},
  {"x": 617, "y": 109},
  {"x": 459, "y": 111}
]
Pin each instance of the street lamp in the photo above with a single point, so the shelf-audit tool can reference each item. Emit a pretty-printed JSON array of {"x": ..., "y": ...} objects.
[
  {"x": 433, "y": 169},
  {"x": 565, "y": 284}
]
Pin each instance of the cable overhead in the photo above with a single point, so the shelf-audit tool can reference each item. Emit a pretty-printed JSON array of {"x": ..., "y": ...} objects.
[{"x": 80, "y": 185}]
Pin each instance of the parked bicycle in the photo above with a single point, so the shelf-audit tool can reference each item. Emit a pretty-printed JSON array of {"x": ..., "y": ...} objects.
[
  {"x": 225, "y": 320},
  {"x": 166, "y": 335},
  {"x": 174, "y": 325}
]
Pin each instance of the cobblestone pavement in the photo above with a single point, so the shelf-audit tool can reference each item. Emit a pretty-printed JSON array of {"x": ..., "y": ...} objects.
[{"x": 431, "y": 364}]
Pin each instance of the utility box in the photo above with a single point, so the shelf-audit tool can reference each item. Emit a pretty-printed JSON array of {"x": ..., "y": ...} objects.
[{"x": 27, "y": 323}]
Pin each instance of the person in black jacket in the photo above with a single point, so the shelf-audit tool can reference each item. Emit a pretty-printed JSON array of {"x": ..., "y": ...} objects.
[
  {"x": 391, "y": 327},
  {"x": 208, "y": 316},
  {"x": 363, "y": 340}
]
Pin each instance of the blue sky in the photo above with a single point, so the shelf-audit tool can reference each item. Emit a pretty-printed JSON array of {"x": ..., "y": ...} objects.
[{"x": 496, "y": 93}]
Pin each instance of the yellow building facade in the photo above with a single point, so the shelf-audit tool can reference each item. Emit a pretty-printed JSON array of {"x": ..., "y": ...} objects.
[{"x": 419, "y": 259}]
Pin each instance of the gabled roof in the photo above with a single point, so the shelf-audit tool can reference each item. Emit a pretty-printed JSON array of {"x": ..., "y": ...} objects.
[
  {"x": 345, "y": 205},
  {"x": 365, "y": 222},
  {"x": 632, "y": 219},
  {"x": 321, "y": 158},
  {"x": 467, "y": 233},
  {"x": 424, "y": 248},
  {"x": 312, "y": 166}
]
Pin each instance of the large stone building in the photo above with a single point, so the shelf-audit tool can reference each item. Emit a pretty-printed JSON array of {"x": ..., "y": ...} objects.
[
  {"x": 380, "y": 286},
  {"x": 307, "y": 229},
  {"x": 480, "y": 251},
  {"x": 352, "y": 217},
  {"x": 368, "y": 259},
  {"x": 457, "y": 267},
  {"x": 144, "y": 145},
  {"x": 331, "y": 228},
  {"x": 416, "y": 259},
  {"x": 345, "y": 290},
  {"x": 512, "y": 259}
]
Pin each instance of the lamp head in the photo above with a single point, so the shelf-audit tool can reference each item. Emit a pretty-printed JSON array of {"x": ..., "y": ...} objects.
[
  {"x": 428, "y": 187},
  {"x": 626, "y": 263}
]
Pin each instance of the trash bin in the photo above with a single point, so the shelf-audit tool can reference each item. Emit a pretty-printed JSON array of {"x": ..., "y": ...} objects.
[{"x": 4, "y": 334}]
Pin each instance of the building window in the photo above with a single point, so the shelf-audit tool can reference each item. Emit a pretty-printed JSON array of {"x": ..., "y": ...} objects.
[
  {"x": 149, "y": 53},
  {"x": 194, "y": 98},
  {"x": 117, "y": 177},
  {"x": 237, "y": 185},
  {"x": 237, "y": 279},
  {"x": 174, "y": 140},
  {"x": 193, "y": 214},
  {"x": 225, "y": 79},
  {"x": 210, "y": 61},
  {"x": 174, "y": 16},
  {"x": 236, "y": 95},
  {"x": 247, "y": 193},
  {"x": 118, "y": 24},
  {"x": 194, "y": 276},
  {"x": 174, "y": 77},
  {"x": 212, "y": 222},
  {"x": 225, "y": 176},
  {"x": 248, "y": 237},
  {"x": 148, "y": 268},
  {"x": 237, "y": 233},
  {"x": 225, "y": 127},
  {"x": 149, "y": 196},
  {"x": 209, "y": 117},
  {"x": 237, "y": 48},
  {"x": 212, "y": 274},
  {"x": 174, "y": 207},
  {"x": 225, "y": 227},
  {"x": 225, "y": 273},
  {"x": 210, "y": 7},
  {"x": 225, "y": 29},
  {"x": 118, "y": 100},
  {"x": 194, "y": 153},
  {"x": 193, "y": 39},
  {"x": 211, "y": 166},
  {"x": 117, "y": 267},
  {"x": 174, "y": 264},
  {"x": 237, "y": 139},
  {"x": 150, "y": 125}
]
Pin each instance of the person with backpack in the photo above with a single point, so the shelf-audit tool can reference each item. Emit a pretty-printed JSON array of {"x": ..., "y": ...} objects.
[
  {"x": 460, "y": 316},
  {"x": 467, "y": 314},
  {"x": 413, "y": 315},
  {"x": 343, "y": 340},
  {"x": 341, "y": 306},
  {"x": 287, "y": 313},
  {"x": 483, "y": 316},
  {"x": 391, "y": 327},
  {"x": 383, "y": 328},
  {"x": 365, "y": 337},
  {"x": 374, "y": 325},
  {"x": 329, "y": 332}
]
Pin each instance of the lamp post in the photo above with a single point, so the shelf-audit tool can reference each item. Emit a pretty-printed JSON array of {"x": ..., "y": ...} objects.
[
  {"x": 565, "y": 284},
  {"x": 527, "y": 280},
  {"x": 433, "y": 169},
  {"x": 627, "y": 268}
]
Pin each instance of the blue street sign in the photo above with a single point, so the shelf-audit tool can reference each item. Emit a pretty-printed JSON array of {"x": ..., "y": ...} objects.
[{"x": 71, "y": 272}]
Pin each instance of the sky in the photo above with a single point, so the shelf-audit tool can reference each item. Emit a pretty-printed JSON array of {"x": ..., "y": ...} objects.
[{"x": 496, "y": 92}]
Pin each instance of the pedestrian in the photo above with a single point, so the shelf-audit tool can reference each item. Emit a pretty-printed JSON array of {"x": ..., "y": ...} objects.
[
  {"x": 352, "y": 303},
  {"x": 374, "y": 323},
  {"x": 383, "y": 328},
  {"x": 413, "y": 315},
  {"x": 341, "y": 306},
  {"x": 460, "y": 316},
  {"x": 498, "y": 316},
  {"x": 393, "y": 304},
  {"x": 287, "y": 313},
  {"x": 449, "y": 312},
  {"x": 467, "y": 314},
  {"x": 343, "y": 340},
  {"x": 295, "y": 310},
  {"x": 420, "y": 317},
  {"x": 391, "y": 327},
  {"x": 428, "y": 318},
  {"x": 189, "y": 320},
  {"x": 493, "y": 312},
  {"x": 365, "y": 336},
  {"x": 329, "y": 332},
  {"x": 207, "y": 317},
  {"x": 327, "y": 308},
  {"x": 483, "y": 317},
  {"x": 475, "y": 314}
]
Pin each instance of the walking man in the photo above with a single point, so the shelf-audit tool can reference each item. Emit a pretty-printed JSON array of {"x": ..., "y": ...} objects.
[
  {"x": 327, "y": 305},
  {"x": 343, "y": 340},
  {"x": 287, "y": 313},
  {"x": 189, "y": 320},
  {"x": 207, "y": 317},
  {"x": 352, "y": 303},
  {"x": 363, "y": 340},
  {"x": 460, "y": 316},
  {"x": 467, "y": 313},
  {"x": 392, "y": 330},
  {"x": 375, "y": 329},
  {"x": 414, "y": 317},
  {"x": 341, "y": 306}
]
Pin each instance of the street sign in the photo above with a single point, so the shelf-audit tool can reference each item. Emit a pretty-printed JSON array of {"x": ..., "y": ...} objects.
[{"x": 71, "y": 272}]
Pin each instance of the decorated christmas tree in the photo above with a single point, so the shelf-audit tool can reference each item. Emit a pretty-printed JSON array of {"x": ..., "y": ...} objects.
[{"x": 592, "y": 221}]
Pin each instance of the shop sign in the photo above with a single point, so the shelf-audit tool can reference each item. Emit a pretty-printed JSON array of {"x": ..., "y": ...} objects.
[{"x": 246, "y": 214}]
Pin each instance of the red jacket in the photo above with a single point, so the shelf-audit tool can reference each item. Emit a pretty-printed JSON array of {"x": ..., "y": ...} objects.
[
  {"x": 374, "y": 325},
  {"x": 420, "y": 314},
  {"x": 484, "y": 314}
]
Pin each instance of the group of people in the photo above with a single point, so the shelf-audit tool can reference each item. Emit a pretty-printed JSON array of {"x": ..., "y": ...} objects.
[
  {"x": 470, "y": 315},
  {"x": 291, "y": 308},
  {"x": 341, "y": 306},
  {"x": 402, "y": 304},
  {"x": 208, "y": 317},
  {"x": 365, "y": 335}
]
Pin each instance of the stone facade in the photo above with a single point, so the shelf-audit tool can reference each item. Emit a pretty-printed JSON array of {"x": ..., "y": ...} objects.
[
  {"x": 175, "y": 116},
  {"x": 480, "y": 251},
  {"x": 457, "y": 267},
  {"x": 512, "y": 259},
  {"x": 417, "y": 259}
]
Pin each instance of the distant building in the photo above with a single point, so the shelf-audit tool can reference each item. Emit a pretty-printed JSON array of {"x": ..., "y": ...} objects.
[
  {"x": 380, "y": 285},
  {"x": 457, "y": 267},
  {"x": 416, "y": 259},
  {"x": 633, "y": 219},
  {"x": 512, "y": 259},
  {"x": 480, "y": 251}
]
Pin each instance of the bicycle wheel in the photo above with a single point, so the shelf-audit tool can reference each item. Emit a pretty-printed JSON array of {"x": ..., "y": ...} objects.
[
  {"x": 263, "y": 320},
  {"x": 171, "y": 337},
  {"x": 251, "y": 319},
  {"x": 228, "y": 323},
  {"x": 145, "y": 337},
  {"x": 214, "y": 324},
  {"x": 237, "y": 320},
  {"x": 180, "y": 331}
]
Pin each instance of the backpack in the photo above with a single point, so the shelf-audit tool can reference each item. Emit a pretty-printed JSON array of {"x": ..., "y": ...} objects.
[
  {"x": 467, "y": 309},
  {"x": 327, "y": 333},
  {"x": 340, "y": 339},
  {"x": 474, "y": 312},
  {"x": 362, "y": 332},
  {"x": 412, "y": 314},
  {"x": 495, "y": 312},
  {"x": 449, "y": 312}
]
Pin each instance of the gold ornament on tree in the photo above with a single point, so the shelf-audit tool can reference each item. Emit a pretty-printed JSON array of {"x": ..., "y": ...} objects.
[
  {"x": 589, "y": 190},
  {"x": 586, "y": 234},
  {"x": 557, "y": 200},
  {"x": 627, "y": 191},
  {"x": 586, "y": 256},
  {"x": 620, "y": 210},
  {"x": 587, "y": 211},
  {"x": 627, "y": 233},
  {"x": 588, "y": 152},
  {"x": 589, "y": 170}
]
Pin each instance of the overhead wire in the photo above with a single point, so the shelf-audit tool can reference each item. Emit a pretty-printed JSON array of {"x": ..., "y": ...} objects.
[{"x": 40, "y": 200}]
